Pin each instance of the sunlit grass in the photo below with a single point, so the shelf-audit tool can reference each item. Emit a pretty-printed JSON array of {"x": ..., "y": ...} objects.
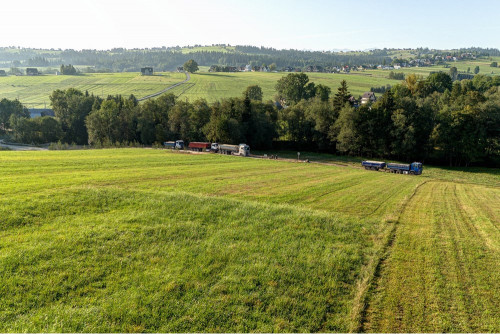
[{"x": 136, "y": 240}]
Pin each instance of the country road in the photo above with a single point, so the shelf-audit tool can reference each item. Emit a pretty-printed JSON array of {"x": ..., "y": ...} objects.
[
  {"x": 22, "y": 147},
  {"x": 188, "y": 77}
]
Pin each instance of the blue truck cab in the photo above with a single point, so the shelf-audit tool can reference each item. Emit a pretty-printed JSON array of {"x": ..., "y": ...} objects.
[{"x": 415, "y": 168}]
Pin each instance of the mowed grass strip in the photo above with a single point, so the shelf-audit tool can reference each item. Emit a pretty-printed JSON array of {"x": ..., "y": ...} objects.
[
  {"x": 443, "y": 271},
  {"x": 102, "y": 259}
]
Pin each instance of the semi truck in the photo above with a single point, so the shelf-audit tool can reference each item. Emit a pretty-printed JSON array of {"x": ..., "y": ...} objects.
[
  {"x": 199, "y": 146},
  {"x": 241, "y": 149},
  {"x": 244, "y": 150},
  {"x": 178, "y": 144},
  {"x": 214, "y": 147},
  {"x": 414, "y": 168}
]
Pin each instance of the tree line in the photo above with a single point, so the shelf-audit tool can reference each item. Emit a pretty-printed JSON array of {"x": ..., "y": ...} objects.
[
  {"x": 432, "y": 119},
  {"x": 85, "y": 119},
  {"x": 166, "y": 59}
]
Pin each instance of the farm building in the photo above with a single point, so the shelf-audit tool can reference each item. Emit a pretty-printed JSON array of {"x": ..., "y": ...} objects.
[
  {"x": 368, "y": 97},
  {"x": 32, "y": 71},
  {"x": 2, "y": 73},
  {"x": 147, "y": 71}
]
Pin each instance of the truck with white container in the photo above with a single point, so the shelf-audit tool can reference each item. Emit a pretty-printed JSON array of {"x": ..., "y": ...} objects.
[{"x": 241, "y": 149}]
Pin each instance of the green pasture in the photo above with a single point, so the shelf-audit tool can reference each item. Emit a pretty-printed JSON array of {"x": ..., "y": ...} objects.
[
  {"x": 35, "y": 90},
  {"x": 442, "y": 273},
  {"x": 484, "y": 66},
  {"x": 462, "y": 67},
  {"x": 135, "y": 240},
  {"x": 214, "y": 86},
  {"x": 465, "y": 175}
]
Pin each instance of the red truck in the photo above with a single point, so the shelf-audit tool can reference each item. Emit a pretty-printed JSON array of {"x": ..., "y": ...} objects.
[{"x": 199, "y": 146}]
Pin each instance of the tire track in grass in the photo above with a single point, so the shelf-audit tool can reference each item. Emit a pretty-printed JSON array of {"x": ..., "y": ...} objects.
[
  {"x": 188, "y": 77},
  {"x": 451, "y": 266},
  {"x": 440, "y": 275},
  {"x": 371, "y": 275},
  {"x": 473, "y": 202},
  {"x": 469, "y": 246}
]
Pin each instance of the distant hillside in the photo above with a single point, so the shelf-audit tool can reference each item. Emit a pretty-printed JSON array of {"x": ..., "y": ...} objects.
[{"x": 169, "y": 58}]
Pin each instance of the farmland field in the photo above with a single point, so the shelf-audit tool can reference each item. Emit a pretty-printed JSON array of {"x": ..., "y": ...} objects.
[
  {"x": 443, "y": 272},
  {"x": 209, "y": 86},
  {"x": 214, "y": 86},
  {"x": 35, "y": 90},
  {"x": 147, "y": 240}
]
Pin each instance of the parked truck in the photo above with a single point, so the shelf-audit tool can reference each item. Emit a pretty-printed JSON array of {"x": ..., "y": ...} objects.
[
  {"x": 241, "y": 149},
  {"x": 178, "y": 144},
  {"x": 414, "y": 168},
  {"x": 199, "y": 146}
]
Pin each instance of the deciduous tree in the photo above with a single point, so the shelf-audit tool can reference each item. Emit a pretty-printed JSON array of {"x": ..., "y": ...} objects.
[
  {"x": 190, "y": 66},
  {"x": 253, "y": 92}
]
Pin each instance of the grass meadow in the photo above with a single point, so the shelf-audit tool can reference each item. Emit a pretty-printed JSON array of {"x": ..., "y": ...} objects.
[
  {"x": 214, "y": 86},
  {"x": 203, "y": 85},
  {"x": 135, "y": 240},
  {"x": 442, "y": 273},
  {"x": 35, "y": 91}
]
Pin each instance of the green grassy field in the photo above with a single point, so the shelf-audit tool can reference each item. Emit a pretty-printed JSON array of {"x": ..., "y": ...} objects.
[
  {"x": 214, "y": 86},
  {"x": 203, "y": 85},
  {"x": 442, "y": 273},
  {"x": 146, "y": 240},
  {"x": 35, "y": 90}
]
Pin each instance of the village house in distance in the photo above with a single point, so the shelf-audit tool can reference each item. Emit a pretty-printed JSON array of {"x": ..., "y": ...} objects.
[{"x": 368, "y": 97}]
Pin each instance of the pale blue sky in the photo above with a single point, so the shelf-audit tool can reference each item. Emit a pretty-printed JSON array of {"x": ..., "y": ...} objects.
[{"x": 312, "y": 25}]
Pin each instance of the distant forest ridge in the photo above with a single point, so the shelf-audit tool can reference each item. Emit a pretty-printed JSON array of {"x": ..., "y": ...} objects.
[{"x": 169, "y": 58}]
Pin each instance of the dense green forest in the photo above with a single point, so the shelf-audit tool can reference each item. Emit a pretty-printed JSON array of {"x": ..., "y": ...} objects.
[
  {"x": 167, "y": 59},
  {"x": 431, "y": 119}
]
